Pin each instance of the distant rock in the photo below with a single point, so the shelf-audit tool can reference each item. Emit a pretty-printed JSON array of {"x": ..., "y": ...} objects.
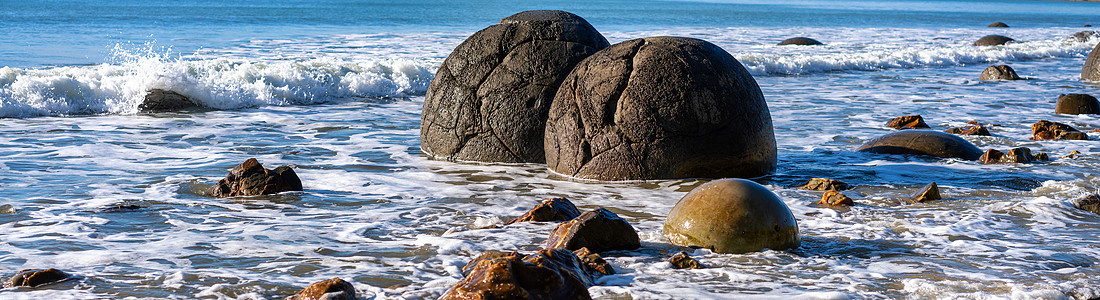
[
  {"x": 825, "y": 184},
  {"x": 158, "y": 100},
  {"x": 993, "y": 40},
  {"x": 801, "y": 41},
  {"x": 1047, "y": 130},
  {"x": 332, "y": 289},
  {"x": 999, "y": 72},
  {"x": 923, "y": 142},
  {"x": 1091, "y": 70},
  {"x": 834, "y": 198},
  {"x": 1082, "y": 36},
  {"x": 907, "y": 122},
  {"x": 927, "y": 193},
  {"x": 1076, "y": 104},
  {"x": 972, "y": 128},
  {"x": 251, "y": 179},
  {"x": 732, "y": 216},
  {"x": 548, "y": 274},
  {"x": 997, "y": 24},
  {"x": 1090, "y": 203},
  {"x": 550, "y": 210},
  {"x": 1014, "y": 155},
  {"x": 681, "y": 260},
  {"x": 598, "y": 230},
  {"x": 36, "y": 277}
]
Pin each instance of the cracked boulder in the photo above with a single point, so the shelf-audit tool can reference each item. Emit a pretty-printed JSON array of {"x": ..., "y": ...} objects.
[
  {"x": 489, "y": 99},
  {"x": 659, "y": 108},
  {"x": 1091, "y": 70}
]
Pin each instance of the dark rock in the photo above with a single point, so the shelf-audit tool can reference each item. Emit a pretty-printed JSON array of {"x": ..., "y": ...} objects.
[
  {"x": 1082, "y": 36},
  {"x": 1072, "y": 154},
  {"x": 834, "y": 198},
  {"x": 1047, "y": 130},
  {"x": 732, "y": 216},
  {"x": 548, "y": 274},
  {"x": 825, "y": 184},
  {"x": 660, "y": 107},
  {"x": 681, "y": 260},
  {"x": 997, "y": 24},
  {"x": 923, "y": 142},
  {"x": 36, "y": 277},
  {"x": 550, "y": 210},
  {"x": 926, "y": 193},
  {"x": 971, "y": 129},
  {"x": 993, "y": 40},
  {"x": 250, "y": 179},
  {"x": 1014, "y": 155},
  {"x": 594, "y": 261},
  {"x": 599, "y": 230},
  {"x": 122, "y": 208},
  {"x": 1075, "y": 104},
  {"x": 991, "y": 156},
  {"x": 907, "y": 122},
  {"x": 332, "y": 289},
  {"x": 1091, "y": 70},
  {"x": 489, "y": 98},
  {"x": 1090, "y": 203},
  {"x": 1042, "y": 156},
  {"x": 803, "y": 41},
  {"x": 1001, "y": 72},
  {"x": 158, "y": 100}
]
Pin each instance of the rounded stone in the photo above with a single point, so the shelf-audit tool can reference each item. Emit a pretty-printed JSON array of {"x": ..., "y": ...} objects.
[
  {"x": 999, "y": 72},
  {"x": 1091, "y": 70},
  {"x": 1082, "y": 36},
  {"x": 923, "y": 142},
  {"x": 993, "y": 40},
  {"x": 803, "y": 41},
  {"x": 997, "y": 24},
  {"x": 1075, "y": 104},
  {"x": 660, "y": 107},
  {"x": 489, "y": 99},
  {"x": 732, "y": 216}
]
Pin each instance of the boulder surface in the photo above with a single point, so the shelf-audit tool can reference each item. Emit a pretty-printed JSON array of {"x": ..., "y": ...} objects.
[
  {"x": 550, "y": 210},
  {"x": 548, "y": 274},
  {"x": 36, "y": 277},
  {"x": 1047, "y": 130},
  {"x": 598, "y": 230},
  {"x": 907, "y": 122},
  {"x": 999, "y": 72},
  {"x": 1076, "y": 104},
  {"x": 993, "y": 40},
  {"x": 732, "y": 216},
  {"x": 923, "y": 142},
  {"x": 158, "y": 100},
  {"x": 251, "y": 179},
  {"x": 1091, "y": 70},
  {"x": 332, "y": 289},
  {"x": 801, "y": 41}
]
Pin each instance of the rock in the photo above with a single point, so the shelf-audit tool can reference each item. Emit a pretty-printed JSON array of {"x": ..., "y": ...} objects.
[
  {"x": 834, "y": 198},
  {"x": 907, "y": 122},
  {"x": 487, "y": 255},
  {"x": 1014, "y": 155},
  {"x": 1090, "y": 203},
  {"x": 1042, "y": 156},
  {"x": 550, "y": 210},
  {"x": 993, "y": 40},
  {"x": 926, "y": 193},
  {"x": 658, "y": 108},
  {"x": 1091, "y": 70},
  {"x": 332, "y": 289},
  {"x": 802, "y": 41},
  {"x": 1072, "y": 154},
  {"x": 972, "y": 129},
  {"x": 991, "y": 156},
  {"x": 732, "y": 216},
  {"x": 594, "y": 261},
  {"x": 1082, "y": 36},
  {"x": 825, "y": 184},
  {"x": 36, "y": 277},
  {"x": 489, "y": 99},
  {"x": 548, "y": 274},
  {"x": 1075, "y": 104},
  {"x": 997, "y": 24},
  {"x": 158, "y": 100},
  {"x": 7, "y": 209},
  {"x": 599, "y": 230},
  {"x": 923, "y": 142},
  {"x": 1047, "y": 130},
  {"x": 250, "y": 179},
  {"x": 681, "y": 260},
  {"x": 1001, "y": 72}
]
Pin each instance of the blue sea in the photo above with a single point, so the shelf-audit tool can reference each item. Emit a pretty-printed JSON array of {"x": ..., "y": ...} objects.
[{"x": 335, "y": 89}]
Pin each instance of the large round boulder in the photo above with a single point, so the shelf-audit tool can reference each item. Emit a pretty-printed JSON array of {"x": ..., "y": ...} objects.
[
  {"x": 923, "y": 142},
  {"x": 489, "y": 99},
  {"x": 660, "y": 107},
  {"x": 732, "y": 216},
  {"x": 1076, "y": 104},
  {"x": 1091, "y": 71},
  {"x": 801, "y": 41},
  {"x": 993, "y": 40}
]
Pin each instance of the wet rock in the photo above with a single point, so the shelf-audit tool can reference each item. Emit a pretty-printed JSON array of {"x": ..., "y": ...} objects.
[
  {"x": 907, "y": 122},
  {"x": 598, "y": 230},
  {"x": 1072, "y": 154},
  {"x": 1082, "y": 36},
  {"x": 1047, "y": 130},
  {"x": 122, "y": 207},
  {"x": 991, "y": 156},
  {"x": 158, "y": 100},
  {"x": 1042, "y": 156},
  {"x": 7, "y": 209},
  {"x": 1014, "y": 155},
  {"x": 993, "y": 40},
  {"x": 802, "y": 41},
  {"x": 594, "y": 262},
  {"x": 732, "y": 216},
  {"x": 36, "y": 277},
  {"x": 927, "y": 193},
  {"x": 1000, "y": 72},
  {"x": 1075, "y": 104},
  {"x": 923, "y": 142},
  {"x": 681, "y": 260},
  {"x": 1090, "y": 203},
  {"x": 997, "y": 24},
  {"x": 332, "y": 289},
  {"x": 971, "y": 129},
  {"x": 548, "y": 274},
  {"x": 834, "y": 198},
  {"x": 487, "y": 255},
  {"x": 489, "y": 99},
  {"x": 660, "y": 107},
  {"x": 825, "y": 184},
  {"x": 550, "y": 210},
  {"x": 1091, "y": 70},
  {"x": 250, "y": 179}
]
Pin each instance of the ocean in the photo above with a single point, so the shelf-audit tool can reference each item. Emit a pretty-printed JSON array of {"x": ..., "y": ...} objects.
[{"x": 335, "y": 89}]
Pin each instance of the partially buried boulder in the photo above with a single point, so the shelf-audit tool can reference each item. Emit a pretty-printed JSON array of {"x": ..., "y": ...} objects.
[
  {"x": 1047, "y": 130},
  {"x": 681, "y": 260},
  {"x": 553, "y": 209},
  {"x": 999, "y": 72},
  {"x": 927, "y": 193},
  {"x": 158, "y": 100},
  {"x": 997, "y": 24},
  {"x": 907, "y": 122},
  {"x": 1082, "y": 36},
  {"x": 923, "y": 142},
  {"x": 332, "y": 289},
  {"x": 489, "y": 99},
  {"x": 36, "y": 277},
  {"x": 825, "y": 184},
  {"x": 660, "y": 107},
  {"x": 1090, "y": 203},
  {"x": 1091, "y": 70},
  {"x": 801, "y": 41},
  {"x": 1075, "y": 104},
  {"x": 993, "y": 40},
  {"x": 1014, "y": 155},
  {"x": 251, "y": 179},
  {"x": 732, "y": 216},
  {"x": 972, "y": 128},
  {"x": 548, "y": 274},
  {"x": 598, "y": 230},
  {"x": 834, "y": 198}
]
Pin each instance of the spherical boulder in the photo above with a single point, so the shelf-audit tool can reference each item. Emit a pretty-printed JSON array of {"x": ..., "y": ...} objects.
[
  {"x": 660, "y": 107},
  {"x": 997, "y": 24},
  {"x": 489, "y": 99},
  {"x": 1076, "y": 104},
  {"x": 923, "y": 142},
  {"x": 802, "y": 41},
  {"x": 732, "y": 216},
  {"x": 1000, "y": 72},
  {"x": 993, "y": 40},
  {"x": 1091, "y": 71}
]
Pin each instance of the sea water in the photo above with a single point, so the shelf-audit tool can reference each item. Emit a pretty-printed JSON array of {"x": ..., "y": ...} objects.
[{"x": 335, "y": 88}]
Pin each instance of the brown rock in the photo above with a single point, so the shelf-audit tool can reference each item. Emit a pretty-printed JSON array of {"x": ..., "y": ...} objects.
[
  {"x": 599, "y": 230},
  {"x": 1072, "y": 154},
  {"x": 1001, "y": 72},
  {"x": 1075, "y": 104},
  {"x": 550, "y": 210},
  {"x": 926, "y": 193},
  {"x": 487, "y": 255},
  {"x": 923, "y": 142},
  {"x": 907, "y": 122},
  {"x": 972, "y": 129},
  {"x": 594, "y": 262},
  {"x": 332, "y": 289},
  {"x": 1091, "y": 70},
  {"x": 1042, "y": 156},
  {"x": 732, "y": 216},
  {"x": 834, "y": 198},
  {"x": 36, "y": 277},
  {"x": 158, "y": 100},
  {"x": 1018, "y": 155},
  {"x": 825, "y": 184},
  {"x": 1090, "y": 203},
  {"x": 801, "y": 41},
  {"x": 993, "y": 40},
  {"x": 997, "y": 24},
  {"x": 1047, "y": 130},
  {"x": 991, "y": 156},
  {"x": 250, "y": 179},
  {"x": 548, "y": 274},
  {"x": 681, "y": 260}
]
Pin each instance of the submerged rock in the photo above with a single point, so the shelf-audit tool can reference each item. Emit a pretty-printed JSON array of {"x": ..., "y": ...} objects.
[
  {"x": 1000, "y": 72},
  {"x": 825, "y": 184},
  {"x": 598, "y": 230},
  {"x": 681, "y": 260},
  {"x": 1082, "y": 36},
  {"x": 907, "y": 122},
  {"x": 1091, "y": 70},
  {"x": 1014, "y": 155},
  {"x": 1076, "y": 104},
  {"x": 158, "y": 100},
  {"x": 732, "y": 216},
  {"x": 1090, "y": 203},
  {"x": 973, "y": 128},
  {"x": 251, "y": 179},
  {"x": 834, "y": 198},
  {"x": 927, "y": 193},
  {"x": 1047, "y": 130},
  {"x": 332, "y": 289},
  {"x": 657, "y": 108},
  {"x": 548, "y": 274},
  {"x": 993, "y": 40},
  {"x": 923, "y": 142},
  {"x": 802, "y": 41},
  {"x": 36, "y": 277},
  {"x": 489, "y": 99},
  {"x": 550, "y": 210},
  {"x": 997, "y": 24}
]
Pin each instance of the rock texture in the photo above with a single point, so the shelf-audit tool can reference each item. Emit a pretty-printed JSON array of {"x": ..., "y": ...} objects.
[
  {"x": 927, "y": 193},
  {"x": 1047, "y": 130},
  {"x": 1013, "y": 156},
  {"x": 1082, "y": 36},
  {"x": 548, "y": 274},
  {"x": 923, "y": 142},
  {"x": 550, "y": 210},
  {"x": 825, "y": 184},
  {"x": 997, "y": 24},
  {"x": 489, "y": 99},
  {"x": 1091, "y": 203},
  {"x": 594, "y": 261},
  {"x": 1076, "y": 104},
  {"x": 681, "y": 260},
  {"x": 834, "y": 198},
  {"x": 158, "y": 100},
  {"x": 1091, "y": 70},
  {"x": 993, "y": 40},
  {"x": 598, "y": 230},
  {"x": 660, "y": 107},
  {"x": 36, "y": 277},
  {"x": 802, "y": 41},
  {"x": 907, "y": 122},
  {"x": 332, "y": 289},
  {"x": 999, "y": 72},
  {"x": 251, "y": 179},
  {"x": 732, "y": 216},
  {"x": 972, "y": 128}
]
